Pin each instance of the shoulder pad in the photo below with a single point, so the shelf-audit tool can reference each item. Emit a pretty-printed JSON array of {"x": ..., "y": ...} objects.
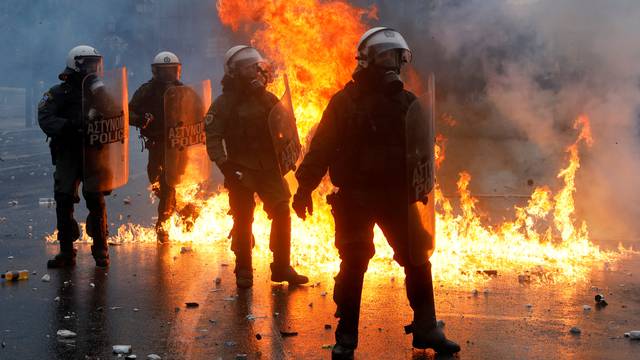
[
  {"x": 348, "y": 92},
  {"x": 62, "y": 88},
  {"x": 271, "y": 96},
  {"x": 217, "y": 107},
  {"x": 221, "y": 101},
  {"x": 145, "y": 86},
  {"x": 55, "y": 91},
  {"x": 411, "y": 97}
]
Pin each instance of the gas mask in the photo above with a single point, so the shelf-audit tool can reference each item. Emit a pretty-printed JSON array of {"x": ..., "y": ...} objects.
[
  {"x": 256, "y": 75},
  {"x": 388, "y": 65},
  {"x": 167, "y": 74},
  {"x": 89, "y": 65}
]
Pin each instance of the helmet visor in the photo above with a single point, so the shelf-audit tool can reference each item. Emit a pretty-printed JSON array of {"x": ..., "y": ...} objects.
[
  {"x": 244, "y": 59},
  {"x": 392, "y": 59},
  {"x": 255, "y": 70},
  {"x": 90, "y": 65},
  {"x": 167, "y": 73}
]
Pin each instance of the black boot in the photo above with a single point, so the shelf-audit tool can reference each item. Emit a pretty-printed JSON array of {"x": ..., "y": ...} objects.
[
  {"x": 244, "y": 277},
  {"x": 162, "y": 236},
  {"x": 432, "y": 338},
  {"x": 68, "y": 232},
  {"x": 281, "y": 273},
  {"x": 97, "y": 227},
  {"x": 347, "y": 295},
  {"x": 341, "y": 352},
  {"x": 346, "y": 339},
  {"x": 66, "y": 258},
  {"x": 426, "y": 334},
  {"x": 100, "y": 255},
  {"x": 244, "y": 268},
  {"x": 166, "y": 207},
  {"x": 280, "y": 245}
]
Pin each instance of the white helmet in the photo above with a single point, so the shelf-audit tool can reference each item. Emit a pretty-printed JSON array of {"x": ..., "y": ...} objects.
[
  {"x": 378, "y": 40},
  {"x": 79, "y": 58},
  {"x": 166, "y": 67},
  {"x": 240, "y": 56},
  {"x": 166, "y": 58}
]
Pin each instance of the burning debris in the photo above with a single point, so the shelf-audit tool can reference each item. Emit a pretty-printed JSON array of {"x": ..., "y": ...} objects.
[{"x": 544, "y": 233}]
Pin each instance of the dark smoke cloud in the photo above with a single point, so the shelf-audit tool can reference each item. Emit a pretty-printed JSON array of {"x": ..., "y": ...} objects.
[{"x": 515, "y": 74}]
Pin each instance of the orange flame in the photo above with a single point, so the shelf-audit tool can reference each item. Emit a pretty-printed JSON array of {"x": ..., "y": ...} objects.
[{"x": 314, "y": 42}]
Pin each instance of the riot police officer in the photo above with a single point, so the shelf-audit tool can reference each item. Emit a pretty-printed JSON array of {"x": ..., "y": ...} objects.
[
  {"x": 247, "y": 159},
  {"x": 146, "y": 111},
  {"x": 62, "y": 115},
  {"x": 361, "y": 141}
]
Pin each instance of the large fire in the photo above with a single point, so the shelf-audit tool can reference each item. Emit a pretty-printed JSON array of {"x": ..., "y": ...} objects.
[{"x": 314, "y": 43}]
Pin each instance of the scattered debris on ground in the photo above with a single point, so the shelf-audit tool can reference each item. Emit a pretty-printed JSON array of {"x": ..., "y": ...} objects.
[
  {"x": 633, "y": 335},
  {"x": 121, "y": 349},
  {"x": 600, "y": 301},
  {"x": 288, "y": 333},
  {"x": 66, "y": 334}
]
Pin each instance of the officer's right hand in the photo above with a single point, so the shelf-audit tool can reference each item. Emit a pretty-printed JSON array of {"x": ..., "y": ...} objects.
[
  {"x": 302, "y": 203},
  {"x": 231, "y": 172},
  {"x": 148, "y": 119}
]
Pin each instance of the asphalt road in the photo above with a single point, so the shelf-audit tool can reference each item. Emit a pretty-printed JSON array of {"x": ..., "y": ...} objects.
[{"x": 141, "y": 300}]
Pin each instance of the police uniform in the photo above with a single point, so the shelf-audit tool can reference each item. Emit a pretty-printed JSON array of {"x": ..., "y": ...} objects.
[
  {"x": 149, "y": 98},
  {"x": 238, "y": 136},
  {"x": 360, "y": 140},
  {"x": 60, "y": 116}
]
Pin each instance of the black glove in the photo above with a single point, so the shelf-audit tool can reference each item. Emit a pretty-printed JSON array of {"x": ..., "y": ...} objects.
[
  {"x": 302, "y": 203},
  {"x": 231, "y": 171},
  {"x": 147, "y": 120}
]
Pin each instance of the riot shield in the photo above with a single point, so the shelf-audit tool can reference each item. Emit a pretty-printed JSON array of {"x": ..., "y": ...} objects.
[
  {"x": 284, "y": 133},
  {"x": 185, "y": 158},
  {"x": 420, "y": 156},
  {"x": 106, "y": 131}
]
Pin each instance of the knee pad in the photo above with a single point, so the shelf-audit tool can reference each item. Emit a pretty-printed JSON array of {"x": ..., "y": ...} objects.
[
  {"x": 417, "y": 271},
  {"x": 355, "y": 262},
  {"x": 65, "y": 200},
  {"x": 280, "y": 212},
  {"x": 95, "y": 201}
]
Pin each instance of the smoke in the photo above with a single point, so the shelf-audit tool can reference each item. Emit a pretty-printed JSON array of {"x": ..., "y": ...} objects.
[
  {"x": 515, "y": 75},
  {"x": 35, "y": 37}
]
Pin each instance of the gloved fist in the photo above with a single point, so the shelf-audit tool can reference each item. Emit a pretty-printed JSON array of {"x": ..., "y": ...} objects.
[
  {"x": 302, "y": 203},
  {"x": 93, "y": 114},
  {"x": 231, "y": 172},
  {"x": 148, "y": 119}
]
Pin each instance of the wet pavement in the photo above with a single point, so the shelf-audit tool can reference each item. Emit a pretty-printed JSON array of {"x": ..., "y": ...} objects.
[{"x": 141, "y": 299}]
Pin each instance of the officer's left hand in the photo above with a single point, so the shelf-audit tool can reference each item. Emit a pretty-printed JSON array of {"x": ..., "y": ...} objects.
[{"x": 302, "y": 203}]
